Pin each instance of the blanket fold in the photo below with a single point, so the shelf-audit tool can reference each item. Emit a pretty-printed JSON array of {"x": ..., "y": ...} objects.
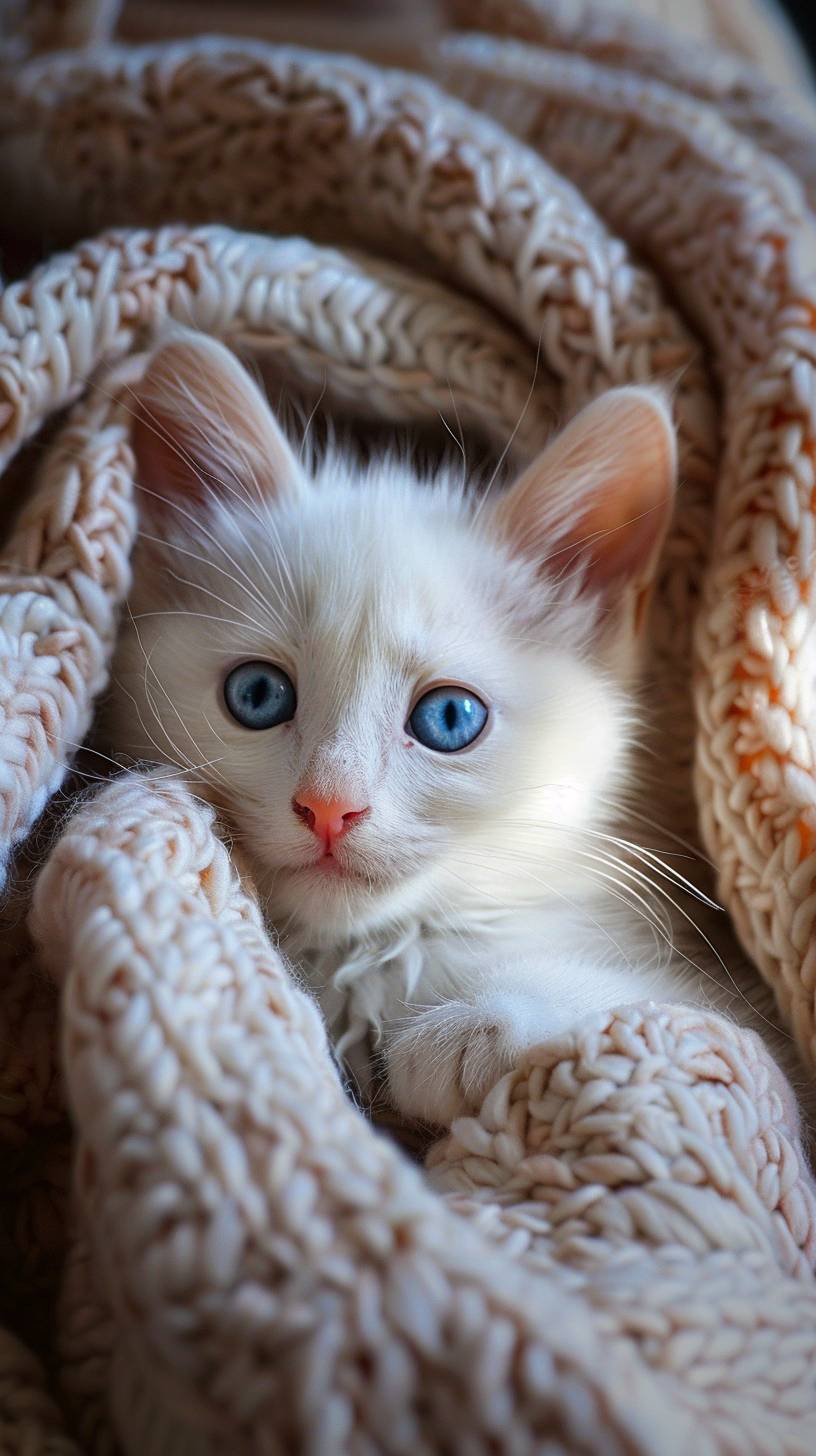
[
  {"x": 231, "y": 1198},
  {"x": 616, "y": 1254}
]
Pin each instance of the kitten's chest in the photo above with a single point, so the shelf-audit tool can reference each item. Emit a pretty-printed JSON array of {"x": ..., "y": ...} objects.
[
  {"x": 364, "y": 985},
  {"x": 369, "y": 986}
]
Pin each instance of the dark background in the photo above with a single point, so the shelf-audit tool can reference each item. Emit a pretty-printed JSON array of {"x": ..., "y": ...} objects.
[{"x": 803, "y": 13}]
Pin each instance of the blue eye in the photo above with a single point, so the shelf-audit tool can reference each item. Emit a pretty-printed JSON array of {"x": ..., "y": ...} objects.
[
  {"x": 447, "y": 719},
  {"x": 259, "y": 695}
]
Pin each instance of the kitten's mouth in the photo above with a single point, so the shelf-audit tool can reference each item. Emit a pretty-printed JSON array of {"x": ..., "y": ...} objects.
[
  {"x": 328, "y": 865},
  {"x": 329, "y": 868}
]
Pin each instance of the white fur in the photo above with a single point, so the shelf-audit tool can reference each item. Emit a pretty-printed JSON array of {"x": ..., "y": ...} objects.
[{"x": 479, "y": 922}]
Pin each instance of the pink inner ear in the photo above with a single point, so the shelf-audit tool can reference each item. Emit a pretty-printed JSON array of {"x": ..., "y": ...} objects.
[
  {"x": 164, "y": 470},
  {"x": 618, "y": 539},
  {"x": 202, "y": 427},
  {"x": 601, "y": 496}
]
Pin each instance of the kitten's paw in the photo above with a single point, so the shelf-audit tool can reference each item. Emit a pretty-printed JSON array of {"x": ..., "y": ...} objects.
[
  {"x": 431, "y": 1064},
  {"x": 446, "y": 1060}
]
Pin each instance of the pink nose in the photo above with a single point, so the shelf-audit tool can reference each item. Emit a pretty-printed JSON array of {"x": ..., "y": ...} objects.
[{"x": 329, "y": 819}]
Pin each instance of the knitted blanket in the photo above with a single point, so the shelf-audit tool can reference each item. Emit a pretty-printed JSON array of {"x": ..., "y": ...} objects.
[{"x": 616, "y": 1254}]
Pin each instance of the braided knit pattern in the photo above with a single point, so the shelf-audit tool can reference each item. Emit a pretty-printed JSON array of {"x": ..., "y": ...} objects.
[
  {"x": 781, "y": 121},
  {"x": 722, "y": 29},
  {"x": 29, "y": 26},
  {"x": 617, "y": 1253},
  {"x": 291, "y": 1274},
  {"x": 29, "y": 1419}
]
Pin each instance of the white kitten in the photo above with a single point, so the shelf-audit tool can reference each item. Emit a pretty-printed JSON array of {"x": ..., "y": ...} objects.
[{"x": 414, "y": 710}]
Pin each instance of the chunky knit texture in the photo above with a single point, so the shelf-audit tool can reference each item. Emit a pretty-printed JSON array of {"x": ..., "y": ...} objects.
[{"x": 616, "y": 1254}]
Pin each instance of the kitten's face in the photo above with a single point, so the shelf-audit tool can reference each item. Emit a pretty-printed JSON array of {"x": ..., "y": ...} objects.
[
  {"x": 392, "y": 705},
  {"x": 366, "y": 599}
]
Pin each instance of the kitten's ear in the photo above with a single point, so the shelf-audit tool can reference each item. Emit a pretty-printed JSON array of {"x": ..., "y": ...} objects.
[
  {"x": 202, "y": 429},
  {"x": 600, "y": 498}
]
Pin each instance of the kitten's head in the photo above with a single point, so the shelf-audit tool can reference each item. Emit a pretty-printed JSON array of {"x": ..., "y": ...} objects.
[{"x": 403, "y": 698}]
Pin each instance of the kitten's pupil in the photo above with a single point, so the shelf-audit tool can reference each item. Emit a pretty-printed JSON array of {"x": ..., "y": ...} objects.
[
  {"x": 258, "y": 692},
  {"x": 451, "y": 715}
]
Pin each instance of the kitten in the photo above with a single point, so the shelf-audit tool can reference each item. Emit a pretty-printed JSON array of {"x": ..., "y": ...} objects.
[{"x": 414, "y": 708}]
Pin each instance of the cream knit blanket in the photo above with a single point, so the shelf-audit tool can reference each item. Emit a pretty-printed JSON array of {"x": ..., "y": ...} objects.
[{"x": 616, "y": 1255}]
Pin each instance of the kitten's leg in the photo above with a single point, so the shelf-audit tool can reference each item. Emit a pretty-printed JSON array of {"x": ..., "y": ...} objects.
[{"x": 442, "y": 1062}]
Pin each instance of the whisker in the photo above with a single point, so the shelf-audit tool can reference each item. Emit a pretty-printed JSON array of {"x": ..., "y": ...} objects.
[
  {"x": 737, "y": 989},
  {"x": 542, "y": 884},
  {"x": 458, "y": 442},
  {"x": 509, "y": 445},
  {"x": 641, "y": 852},
  {"x": 201, "y": 616},
  {"x": 208, "y": 592},
  {"x": 458, "y": 422},
  {"x": 251, "y": 591}
]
